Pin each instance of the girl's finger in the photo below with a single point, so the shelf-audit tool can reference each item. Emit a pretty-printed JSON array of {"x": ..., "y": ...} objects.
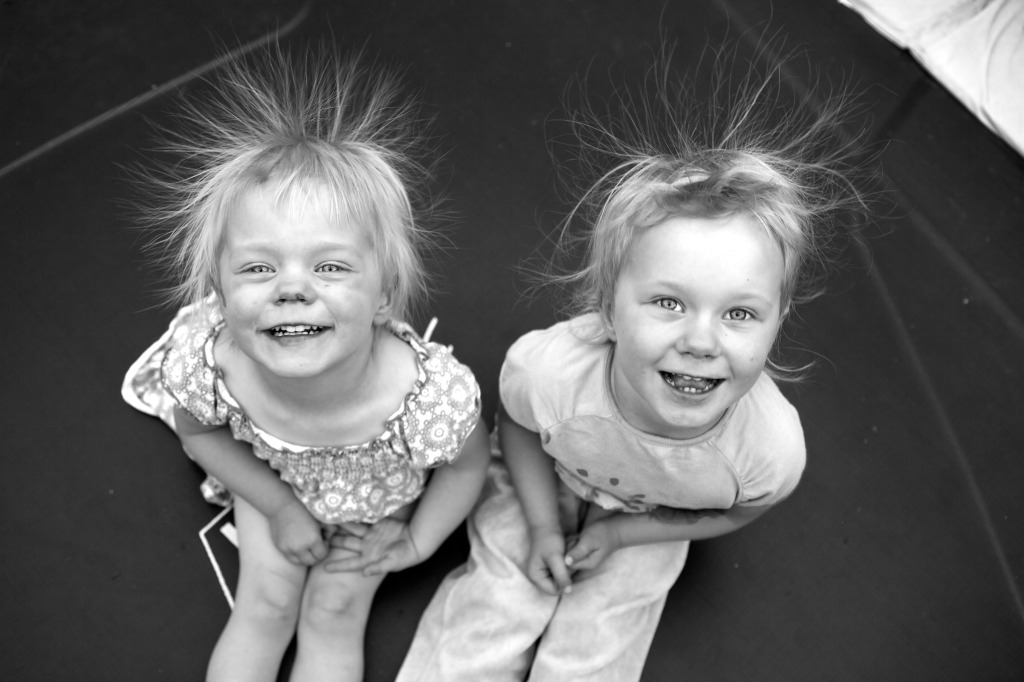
[
  {"x": 578, "y": 554},
  {"x": 349, "y": 542},
  {"x": 301, "y": 558},
  {"x": 353, "y": 528},
  {"x": 547, "y": 585},
  {"x": 551, "y": 583},
  {"x": 560, "y": 575},
  {"x": 585, "y": 564},
  {"x": 380, "y": 567},
  {"x": 346, "y": 565},
  {"x": 319, "y": 551},
  {"x": 329, "y": 531}
]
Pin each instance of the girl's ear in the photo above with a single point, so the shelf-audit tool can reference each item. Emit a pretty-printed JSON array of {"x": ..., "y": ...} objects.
[
  {"x": 606, "y": 321},
  {"x": 215, "y": 288},
  {"x": 383, "y": 313}
]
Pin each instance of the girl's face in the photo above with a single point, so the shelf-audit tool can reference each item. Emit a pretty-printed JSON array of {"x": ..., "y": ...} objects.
[
  {"x": 696, "y": 310},
  {"x": 300, "y": 293}
]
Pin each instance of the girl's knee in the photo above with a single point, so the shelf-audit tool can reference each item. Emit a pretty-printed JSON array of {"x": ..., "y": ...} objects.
[
  {"x": 334, "y": 606},
  {"x": 269, "y": 601}
]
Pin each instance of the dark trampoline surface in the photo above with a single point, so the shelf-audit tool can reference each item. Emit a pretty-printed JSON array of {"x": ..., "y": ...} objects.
[{"x": 900, "y": 556}]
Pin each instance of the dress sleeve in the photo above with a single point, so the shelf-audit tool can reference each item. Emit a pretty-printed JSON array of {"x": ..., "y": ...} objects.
[
  {"x": 188, "y": 371},
  {"x": 446, "y": 410}
]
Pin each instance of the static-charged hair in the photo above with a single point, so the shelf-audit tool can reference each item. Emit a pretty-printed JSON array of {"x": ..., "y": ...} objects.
[
  {"x": 337, "y": 134},
  {"x": 755, "y": 146}
]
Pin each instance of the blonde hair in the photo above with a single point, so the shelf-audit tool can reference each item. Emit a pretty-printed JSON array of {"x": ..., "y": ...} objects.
[
  {"x": 336, "y": 131},
  {"x": 746, "y": 148}
]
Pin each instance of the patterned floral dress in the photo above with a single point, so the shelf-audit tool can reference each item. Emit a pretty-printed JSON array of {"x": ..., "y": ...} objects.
[{"x": 365, "y": 482}]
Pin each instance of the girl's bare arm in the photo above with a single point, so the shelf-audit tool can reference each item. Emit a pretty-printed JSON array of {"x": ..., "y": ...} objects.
[
  {"x": 294, "y": 530},
  {"x": 599, "y": 539},
  {"x": 536, "y": 483},
  {"x": 451, "y": 493}
]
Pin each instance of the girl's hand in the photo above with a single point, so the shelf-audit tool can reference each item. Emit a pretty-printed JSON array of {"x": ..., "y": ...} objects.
[
  {"x": 593, "y": 545},
  {"x": 384, "y": 547},
  {"x": 297, "y": 535},
  {"x": 545, "y": 566}
]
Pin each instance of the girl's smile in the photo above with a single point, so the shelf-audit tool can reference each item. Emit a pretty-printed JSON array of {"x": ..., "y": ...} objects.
[
  {"x": 690, "y": 385},
  {"x": 695, "y": 313},
  {"x": 288, "y": 330}
]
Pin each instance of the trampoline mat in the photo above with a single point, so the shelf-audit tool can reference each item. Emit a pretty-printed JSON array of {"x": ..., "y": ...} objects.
[{"x": 897, "y": 558}]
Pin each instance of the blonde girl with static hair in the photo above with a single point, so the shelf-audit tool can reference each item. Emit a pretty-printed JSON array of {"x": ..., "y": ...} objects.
[
  {"x": 349, "y": 446},
  {"x": 650, "y": 417}
]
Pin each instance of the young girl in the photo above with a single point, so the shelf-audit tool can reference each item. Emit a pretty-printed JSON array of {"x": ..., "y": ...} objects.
[
  {"x": 649, "y": 418},
  {"x": 289, "y": 375}
]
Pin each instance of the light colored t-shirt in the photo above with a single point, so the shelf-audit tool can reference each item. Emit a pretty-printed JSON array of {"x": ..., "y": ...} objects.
[{"x": 555, "y": 382}]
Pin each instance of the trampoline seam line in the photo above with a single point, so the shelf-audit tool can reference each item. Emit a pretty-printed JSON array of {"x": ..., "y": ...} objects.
[
  {"x": 935, "y": 404},
  {"x": 166, "y": 87}
]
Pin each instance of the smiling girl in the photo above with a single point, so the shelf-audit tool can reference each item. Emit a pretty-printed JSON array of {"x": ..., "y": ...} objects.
[
  {"x": 349, "y": 446},
  {"x": 648, "y": 419}
]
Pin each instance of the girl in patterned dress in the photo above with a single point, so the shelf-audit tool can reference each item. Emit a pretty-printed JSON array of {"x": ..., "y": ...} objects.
[
  {"x": 349, "y": 445},
  {"x": 650, "y": 418}
]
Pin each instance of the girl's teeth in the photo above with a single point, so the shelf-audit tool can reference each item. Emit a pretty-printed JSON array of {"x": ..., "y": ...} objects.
[
  {"x": 689, "y": 384},
  {"x": 295, "y": 329}
]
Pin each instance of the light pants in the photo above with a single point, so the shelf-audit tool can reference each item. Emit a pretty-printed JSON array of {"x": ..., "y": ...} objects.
[{"x": 488, "y": 623}]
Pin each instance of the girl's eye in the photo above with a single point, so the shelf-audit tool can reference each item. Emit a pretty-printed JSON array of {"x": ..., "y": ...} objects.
[
  {"x": 331, "y": 267},
  {"x": 668, "y": 304},
  {"x": 739, "y": 315},
  {"x": 258, "y": 269}
]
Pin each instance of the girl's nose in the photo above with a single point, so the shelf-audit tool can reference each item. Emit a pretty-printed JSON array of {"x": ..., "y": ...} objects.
[
  {"x": 294, "y": 287},
  {"x": 699, "y": 338}
]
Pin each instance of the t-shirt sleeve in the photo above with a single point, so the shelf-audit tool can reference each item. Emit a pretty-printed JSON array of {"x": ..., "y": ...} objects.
[
  {"x": 776, "y": 479},
  {"x": 775, "y": 451},
  {"x": 552, "y": 374},
  {"x": 517, "y": 383}
]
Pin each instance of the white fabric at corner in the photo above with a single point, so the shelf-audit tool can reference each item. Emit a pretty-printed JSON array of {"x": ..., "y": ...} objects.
[{"x": 973, "y": 47}]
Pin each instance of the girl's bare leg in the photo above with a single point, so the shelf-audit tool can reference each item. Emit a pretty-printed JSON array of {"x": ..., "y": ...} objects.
[
  {"x": 266, "y": 605},
  {"x": 332, "y": 624}
]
